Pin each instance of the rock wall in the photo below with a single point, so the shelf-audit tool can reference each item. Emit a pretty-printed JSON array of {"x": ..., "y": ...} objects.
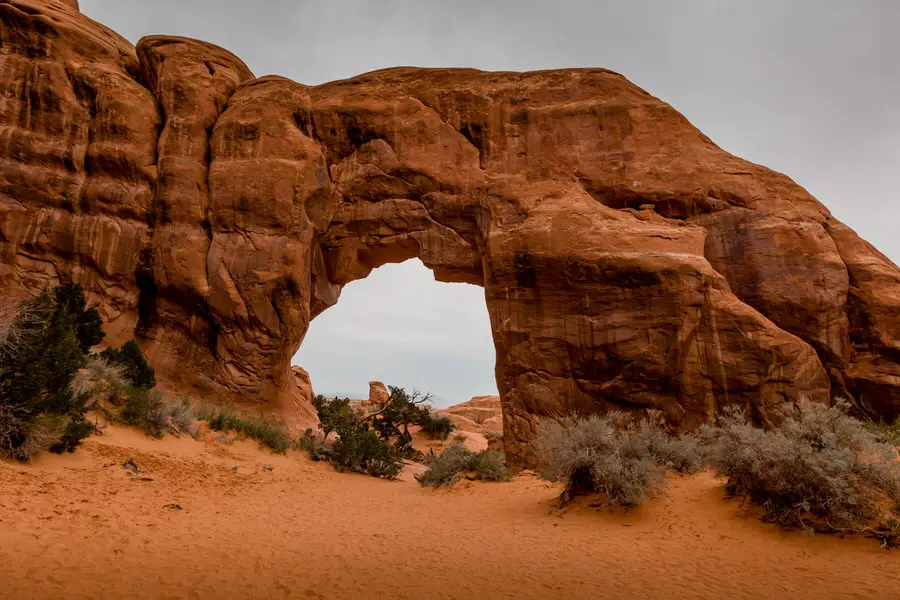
[{"x": 627, "y": 261}]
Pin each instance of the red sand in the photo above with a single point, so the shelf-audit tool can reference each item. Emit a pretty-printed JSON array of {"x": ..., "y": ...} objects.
[{"x": 71, "y": 527}]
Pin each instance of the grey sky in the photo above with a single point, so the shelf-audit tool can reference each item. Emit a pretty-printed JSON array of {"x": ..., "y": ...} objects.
[{"x": 809, "y": 88}]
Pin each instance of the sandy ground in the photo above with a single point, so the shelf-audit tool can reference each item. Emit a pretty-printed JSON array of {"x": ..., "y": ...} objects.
[{"x": 79, "y": 526}]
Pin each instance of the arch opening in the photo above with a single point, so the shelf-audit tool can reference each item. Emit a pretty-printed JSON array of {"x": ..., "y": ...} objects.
[{"x": 400, "y": 326}]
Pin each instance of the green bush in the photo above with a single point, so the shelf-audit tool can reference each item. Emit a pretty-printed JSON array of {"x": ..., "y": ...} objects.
[
  {"x": 361, "y": 449},
  {"x": 456, "y": 460},
  {"x": 435, "y": 426},
  {"x": 43, "y": 343},
  {"x": 145, "y": 409},
  {"x": 131, "y": 359},
  {"x": 266, "y": 432},
  {"x": 613, "y": 455},
  {"x": 314, "y": 443},
  {"x": 363, "y": 441},
  {"x": 391, "y": 419},
  {"x": 820, "y": 469}
]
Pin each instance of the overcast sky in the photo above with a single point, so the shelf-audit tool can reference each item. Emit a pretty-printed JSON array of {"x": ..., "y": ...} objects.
[{"x": 810, "y": 88}]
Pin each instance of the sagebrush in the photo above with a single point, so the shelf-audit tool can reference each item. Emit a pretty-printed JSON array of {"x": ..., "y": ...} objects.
[
  {"x": 457, "y": 460},
  {"x": 820, "y": 469},
  {"x": 612, "y": 454}
]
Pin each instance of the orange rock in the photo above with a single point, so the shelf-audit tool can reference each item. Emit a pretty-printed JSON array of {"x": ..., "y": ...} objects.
[
  {"x": 378, "y": 393},
  {"x": 477, "y": 413},
  {"x": 627, "y": 260}
]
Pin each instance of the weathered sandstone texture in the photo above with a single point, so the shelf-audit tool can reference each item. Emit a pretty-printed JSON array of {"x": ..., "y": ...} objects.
[
  {"x": 378, "y": 393},
  {"x": 627, "y": 261},
  {"x": 480, "y": 414}
]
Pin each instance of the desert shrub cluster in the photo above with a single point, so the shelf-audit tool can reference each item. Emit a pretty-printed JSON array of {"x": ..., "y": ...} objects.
[
  {"x": 265, "y": 431},
  {"x": 458, "y": 461},
  {"x": 820, "y": 469},
  {"x": 613, "y": 455},
  {"x": 373, "y": 441},
  {"x": 49, "y": 379},
  {"x": 43, "y": 343}
]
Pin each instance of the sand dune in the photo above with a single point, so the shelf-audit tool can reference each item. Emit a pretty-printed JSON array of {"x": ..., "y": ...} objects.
[{"x": 80, "y": 526}]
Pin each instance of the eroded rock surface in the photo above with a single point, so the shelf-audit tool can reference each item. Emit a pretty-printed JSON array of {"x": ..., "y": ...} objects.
[
  {"x": 627, "y": 260},
  {"x": 378, "y": 393},
  {"x": 480, "y": 414}
]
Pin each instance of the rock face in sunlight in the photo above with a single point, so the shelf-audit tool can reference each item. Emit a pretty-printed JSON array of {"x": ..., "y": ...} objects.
[{"x": 627, "y": 261}]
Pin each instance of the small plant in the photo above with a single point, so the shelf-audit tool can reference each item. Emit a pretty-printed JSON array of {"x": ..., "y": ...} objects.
[
  {"x": 314, "y": 442},
  {"x": 181, "y": 416},
  {"x": 457, "y": 460},
  {"x": 885, "y": 433},
  {"x": 100, "y": 380},
  {"x": 460, "y": 438},
  {"x": 820, "y": 470},
  {"x": 435, "y": 426},
  {"x": 41, "y": 434},
  {"x": 135, "y": 366},
  {"x": 613, "y": 455},
  {"x": 266, "y": 432},
  {"x": 145, "y": 409}
]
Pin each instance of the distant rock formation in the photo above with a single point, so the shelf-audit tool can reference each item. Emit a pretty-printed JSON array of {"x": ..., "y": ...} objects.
[
  {"x": 378, "y": 393},
  {"x": 480, "y": 414},
  {"x": 627, "y": 260}
]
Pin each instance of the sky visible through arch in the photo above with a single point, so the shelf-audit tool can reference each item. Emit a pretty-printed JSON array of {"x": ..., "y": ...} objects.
[
  {"x": 809, "y": 88},
  {"x": 402, "y": 327}
]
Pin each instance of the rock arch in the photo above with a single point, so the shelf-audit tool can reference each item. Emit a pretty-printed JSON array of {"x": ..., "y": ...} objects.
[{"x": 627, "y": 261}]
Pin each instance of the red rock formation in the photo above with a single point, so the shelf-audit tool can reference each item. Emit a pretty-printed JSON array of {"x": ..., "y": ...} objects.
[
  {"x": 627, "y": 260},
  {"x": 378, "y": 393},
  {"x": 480, "y": 414}
]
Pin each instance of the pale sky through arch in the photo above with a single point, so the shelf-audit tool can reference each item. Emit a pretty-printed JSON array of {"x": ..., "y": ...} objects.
[
  {"x": 809, "y": 88},
  {"x": 400, "y": 326}
]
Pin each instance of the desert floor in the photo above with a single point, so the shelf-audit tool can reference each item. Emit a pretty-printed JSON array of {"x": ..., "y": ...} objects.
[{"x": 82, "y": 526}]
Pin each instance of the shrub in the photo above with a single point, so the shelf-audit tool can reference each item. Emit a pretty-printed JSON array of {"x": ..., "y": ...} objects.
[
  {"x": 266, "y": 432},
  {"x": 363, "y": 441},
  {"x": 612, "y": 454},
  {"x": 435, "y": 426},
  {"x": 181, "y": 415},
  {"x": 314, "y": 443},
  {"x": 391, "y": 420},
  {"x": 820, "y": 470},
  {"x": 135, "y": 366},
  {"x": 885, "y": 433},
  {"x": 145, "y": 409},
  {"x": 99, "y": 381},
  {"x": 361, "y": 449},
  {"x": 41, "y": 434},
  {"x": 445, "y": 468},
  {"x": 41, "y": 349}
]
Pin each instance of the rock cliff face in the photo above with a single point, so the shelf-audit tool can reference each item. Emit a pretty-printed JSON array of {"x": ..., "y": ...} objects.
[{"x": 627, "y": 261}]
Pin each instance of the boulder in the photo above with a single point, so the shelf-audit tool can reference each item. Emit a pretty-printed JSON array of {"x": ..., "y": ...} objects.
[{"x": 378, "y": 393}]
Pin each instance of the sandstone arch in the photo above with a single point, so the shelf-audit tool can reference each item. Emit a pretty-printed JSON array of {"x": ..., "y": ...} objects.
[{"x": 626, "y": 259}]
